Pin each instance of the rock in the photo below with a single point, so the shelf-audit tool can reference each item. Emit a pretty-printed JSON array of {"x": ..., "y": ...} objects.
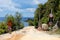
[
  {"x": 44, "y": 26},
  {"x": 55, "y": 28}
]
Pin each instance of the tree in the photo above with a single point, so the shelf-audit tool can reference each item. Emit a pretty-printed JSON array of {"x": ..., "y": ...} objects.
[
  {"x": 45, "y": 9},
  {"x": 39, "y": 13},
  {"x": 16, "y": 21}
]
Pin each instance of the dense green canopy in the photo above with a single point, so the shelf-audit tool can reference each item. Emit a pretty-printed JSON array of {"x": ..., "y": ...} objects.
[{"x": 43, "y": 11}]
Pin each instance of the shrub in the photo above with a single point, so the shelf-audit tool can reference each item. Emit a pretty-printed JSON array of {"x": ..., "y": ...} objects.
[
  {"x": 2, "y": 31},
  {"x": 44, "y": 20},
  {"x": 3, "y": 28}
]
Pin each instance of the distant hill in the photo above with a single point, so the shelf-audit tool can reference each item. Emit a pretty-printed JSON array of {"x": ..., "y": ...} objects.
[
  {"x": 26, "y": 18},
  {"x": 23, "y": 18}
]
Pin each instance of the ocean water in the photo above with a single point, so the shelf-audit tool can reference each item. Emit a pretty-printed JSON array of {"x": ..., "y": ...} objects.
[
  {"x": 23, "y": 20},
  {"x": 2, "y": 19}
]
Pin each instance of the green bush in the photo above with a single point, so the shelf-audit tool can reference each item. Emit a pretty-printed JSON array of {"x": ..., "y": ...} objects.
[
  {"x": 16, "y": 21},
  {"x": 44, "y": 20},
  {"x": 21, "y": 26},
  {"x": 2, "y": 31},
  {"x": 56, "y": 32},
  {"x": 31, "y": 23},
  {"x": 3, "y": 28}
]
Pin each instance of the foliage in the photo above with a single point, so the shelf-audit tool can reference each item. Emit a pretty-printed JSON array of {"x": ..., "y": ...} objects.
[
  {"x": 31, "y": 23},
  {"x": 16, "y": 23},
  {"x": 43, "y": 11},
  {"x": 3, "y": 28},
  {"x": 1, "y": 31},
  {"x": 57, "y": 32},
  {"x": 44, "y": 20},
  {"x": 18, "y": 20}
]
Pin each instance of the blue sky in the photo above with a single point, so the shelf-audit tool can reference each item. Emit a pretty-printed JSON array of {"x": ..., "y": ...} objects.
[{"x": 25, "y": 7}]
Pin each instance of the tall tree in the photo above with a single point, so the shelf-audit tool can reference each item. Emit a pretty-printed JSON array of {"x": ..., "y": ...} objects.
[
  {"x": 45, "y": 9},
  {"x": 18, "y": 20}
]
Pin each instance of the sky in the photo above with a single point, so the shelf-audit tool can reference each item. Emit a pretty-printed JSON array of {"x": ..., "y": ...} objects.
[{"x": 25, "y": 7}]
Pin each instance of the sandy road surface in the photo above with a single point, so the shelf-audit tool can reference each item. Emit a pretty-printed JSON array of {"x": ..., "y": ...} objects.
[{"x": 28, "y": 33}]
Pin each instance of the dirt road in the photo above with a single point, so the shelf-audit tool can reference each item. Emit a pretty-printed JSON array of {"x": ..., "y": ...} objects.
[{"x": 29, "y": 33}]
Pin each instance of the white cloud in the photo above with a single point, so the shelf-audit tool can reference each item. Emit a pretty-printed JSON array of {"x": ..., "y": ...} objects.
[
  {"x": 28, "y": 10},
  {"x": 35, "y": 2},
  {"x": 8, "y": 4},
  {"x": 12, "y": 6},
  {"x": 31, "y": 9}
]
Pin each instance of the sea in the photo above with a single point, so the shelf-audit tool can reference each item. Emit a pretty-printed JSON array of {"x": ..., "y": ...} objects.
[{"x": 23, "y": 20}]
